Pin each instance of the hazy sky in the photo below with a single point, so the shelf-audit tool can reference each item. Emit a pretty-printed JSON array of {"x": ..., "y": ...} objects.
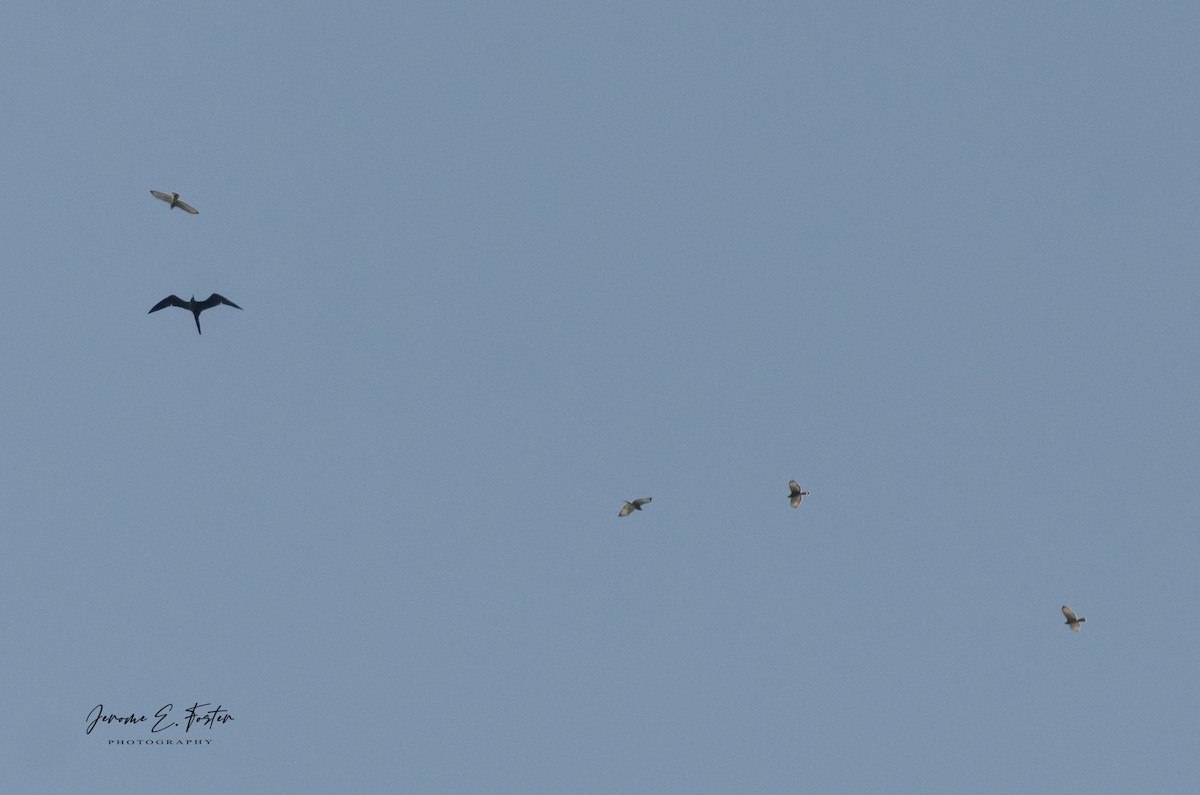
[{"x": 505, "y": 265}]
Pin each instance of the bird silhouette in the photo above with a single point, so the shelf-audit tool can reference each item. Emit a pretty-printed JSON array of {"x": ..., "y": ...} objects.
[
  {"x": 797, "y": 495},
  {"x": 1072, "y": 621},
  {"x": 194, "y": 306},
  {"x": 636, "y": 505},
  {"x": 173, "y": 200}
]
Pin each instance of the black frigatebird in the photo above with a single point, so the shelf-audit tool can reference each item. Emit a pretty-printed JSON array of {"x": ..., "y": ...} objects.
[
  {"x": 173, "y": 200},
  {"x": 194, "y": 306}
]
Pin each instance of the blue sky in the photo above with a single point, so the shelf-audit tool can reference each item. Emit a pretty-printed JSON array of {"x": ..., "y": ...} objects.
[{"x": 504, "y": 266}]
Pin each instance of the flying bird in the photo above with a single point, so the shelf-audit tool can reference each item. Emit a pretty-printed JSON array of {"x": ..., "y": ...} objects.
[
  {"x": 1072, "y": 621},
  {"x": 194, "y": 306},
  {"x": 173, "y": 200},
  {"x": 636, "y": 505},
  {"x": 797, "y": 495}
]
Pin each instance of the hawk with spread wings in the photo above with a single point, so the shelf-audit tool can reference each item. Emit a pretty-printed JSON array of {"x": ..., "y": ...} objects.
[
  {"x": 635, "y": 505},
  {"x": 796, "y": 494},
  {"x": 173, "y": 200},
  {"x": 1072, "y": 621}
]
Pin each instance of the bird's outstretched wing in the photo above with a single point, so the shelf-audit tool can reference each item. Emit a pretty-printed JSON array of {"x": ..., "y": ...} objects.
[
  {"x": 170, "y": 300},
  {"x": 642, "y": 501},
  {"x": 215, "y": 299},
  {"x": 794, "y": 486},
  {"x": 185, "y": 206},
  {"x": 160, "y": 195},
  {"x": 626, "y": 510},
  {"x": 1070, "y": 614}
]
